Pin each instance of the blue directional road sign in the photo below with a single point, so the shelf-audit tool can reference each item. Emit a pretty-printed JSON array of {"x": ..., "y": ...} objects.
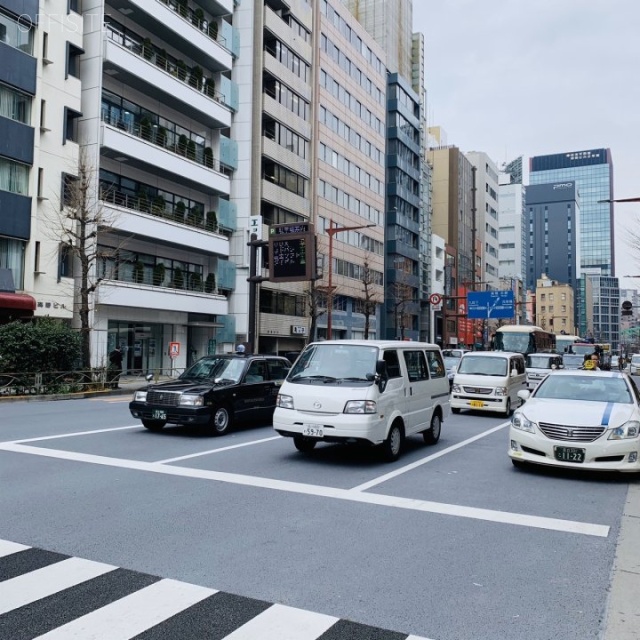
[{"x": 490, "y": 304}]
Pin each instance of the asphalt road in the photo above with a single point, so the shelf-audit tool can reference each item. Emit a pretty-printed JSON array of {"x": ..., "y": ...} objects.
[{"x": 448, "y": 543}]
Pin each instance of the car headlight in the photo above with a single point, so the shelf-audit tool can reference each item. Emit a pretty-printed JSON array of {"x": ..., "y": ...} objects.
[
  {"x": 187, "y": 400},
  {"x": 284, "y": 402},
  {"x": 501, "y": 391},
  {"x": 360, "y": 406},
  {"x": 519, "y": 421},
  {"x": 456, "y": 388},
  {"x": 140, "y": 396},
  {"x": 627, "y": 430}
]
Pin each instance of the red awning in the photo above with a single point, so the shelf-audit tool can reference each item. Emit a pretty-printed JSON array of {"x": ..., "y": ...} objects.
[{"x": 17, "y": 301}]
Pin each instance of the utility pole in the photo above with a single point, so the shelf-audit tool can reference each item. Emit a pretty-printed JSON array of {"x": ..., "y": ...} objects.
[{"x": 254, "y": 244}]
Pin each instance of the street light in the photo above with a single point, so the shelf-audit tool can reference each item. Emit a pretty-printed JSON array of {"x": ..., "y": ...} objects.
[
  {"x": 621, "y": 200},
  {"x": 331, "y": 231}
]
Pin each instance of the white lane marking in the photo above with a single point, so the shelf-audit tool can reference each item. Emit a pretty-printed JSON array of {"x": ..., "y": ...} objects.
[
  {"x": 416, "y": 638},
  {"x": 32, "y": 586},
  {"x": 279, "y": 622},
  {"x": 7, "y": 548},
  {"x": 133, "y": 614},
  {"x": 206, "y": 453},
  {"x": 540, "y": 522},
  {"x": 414, "y": 465},
  {"x": 72, "y": 434}
]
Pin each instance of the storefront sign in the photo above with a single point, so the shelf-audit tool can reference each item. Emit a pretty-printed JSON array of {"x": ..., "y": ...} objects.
[{"x": 298, "y": 330}]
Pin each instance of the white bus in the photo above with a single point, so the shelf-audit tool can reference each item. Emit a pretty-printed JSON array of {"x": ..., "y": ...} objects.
[{"x": 563, "y": 341}]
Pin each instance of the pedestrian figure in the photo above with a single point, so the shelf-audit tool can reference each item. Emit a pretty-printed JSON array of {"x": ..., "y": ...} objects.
[
  {"x": 621, "y": 363},
  {"x": 115, "y": 367}
]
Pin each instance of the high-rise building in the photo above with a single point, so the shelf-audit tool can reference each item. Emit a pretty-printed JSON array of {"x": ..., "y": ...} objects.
[
  {"x": 553, "y": 242},
  {"x": 487, "y": 225},
  {"x": 40, "y": 92},
  {"x": 512, "y": 236},
  {"x": 592, "y": 171}
]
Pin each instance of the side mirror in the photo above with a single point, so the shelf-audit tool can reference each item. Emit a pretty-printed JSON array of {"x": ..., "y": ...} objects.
[
  {"x": 381, "y": 368},
  {"x": 149, "y": 377},
  {"x": 524, "y": 394}
]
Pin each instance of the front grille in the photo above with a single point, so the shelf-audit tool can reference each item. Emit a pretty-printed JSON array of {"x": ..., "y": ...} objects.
[
  {"x": 572, "y": 434},
  {"x": 163, "y": 398},
  {"x": 481, "y": 390}
]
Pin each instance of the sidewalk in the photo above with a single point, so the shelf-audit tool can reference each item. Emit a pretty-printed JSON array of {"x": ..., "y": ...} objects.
[
  {"x": 126, "y": 386},
  {"x": 622, "y": 620}
]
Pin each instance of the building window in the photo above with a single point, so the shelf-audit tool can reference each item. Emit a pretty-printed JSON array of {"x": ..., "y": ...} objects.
[
  {"x": 65, "y": 261},
  {"x": 14, "y": 177},
  {"x": 17, "y": 33},
  {"x": 15, "y": 105},
  {"x": 70, "y": 125},
  {"x": 68, "y": 190},
  {"x": 73, "y": 60}
]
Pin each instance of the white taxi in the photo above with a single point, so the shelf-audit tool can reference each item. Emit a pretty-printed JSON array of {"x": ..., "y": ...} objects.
[{"x": 579, "y": 419}]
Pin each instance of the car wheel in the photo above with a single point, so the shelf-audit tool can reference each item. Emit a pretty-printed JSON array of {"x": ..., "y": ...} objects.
[
  {"x": 518, "y": 464},
  {"x": 304, "y": 444},
  {"x": 392, "y": 446},
  {"x": 221, "y": 420},
  {"x": 455, "y": 410},
  {"x": 507, "y": 411},
  {"x": 154, "y": 425},
  {"x": 432, "y": 434}
]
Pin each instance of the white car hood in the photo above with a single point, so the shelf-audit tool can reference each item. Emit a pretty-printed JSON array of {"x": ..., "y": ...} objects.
[{"x": 578, "y": 413}]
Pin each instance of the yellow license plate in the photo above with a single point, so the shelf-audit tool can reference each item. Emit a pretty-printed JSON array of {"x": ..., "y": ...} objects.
[{"x": 476, "y": 403}]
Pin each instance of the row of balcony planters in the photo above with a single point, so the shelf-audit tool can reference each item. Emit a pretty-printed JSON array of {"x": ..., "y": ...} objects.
[
  {"x": 193, "y": 76},
  {"x": 184, "y": 147},
  {"x": 188, "y": 282},
  {"x": 195, "y": 16}
]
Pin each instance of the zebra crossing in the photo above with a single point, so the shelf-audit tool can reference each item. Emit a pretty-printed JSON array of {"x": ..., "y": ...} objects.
[{"x": 51, "y": 596}]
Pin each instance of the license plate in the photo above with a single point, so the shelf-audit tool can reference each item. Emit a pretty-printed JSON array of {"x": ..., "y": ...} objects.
[
  {"x": 569, "y": 454},
  {"x": 314, "y": 430},
  {"x": 476, "y": 403},
  {"x": 159, "y": 414}
]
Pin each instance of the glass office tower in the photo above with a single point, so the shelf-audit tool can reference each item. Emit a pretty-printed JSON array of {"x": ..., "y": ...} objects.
[{"x": 593, "y": 173}]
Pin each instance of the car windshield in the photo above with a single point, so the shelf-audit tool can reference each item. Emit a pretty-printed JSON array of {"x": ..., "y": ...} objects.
[
  {"x": 450, "y": 362},
  {"x": 538, "y": 362},
  {"x": 635, "y": 359},
  {"x": 572, "y": 361},
  {"x": 327, "y": 363},
  {"x": 217, "y": 369},
  {"x": 483, "y": 366},
  {"x": 591, "y": 388}
]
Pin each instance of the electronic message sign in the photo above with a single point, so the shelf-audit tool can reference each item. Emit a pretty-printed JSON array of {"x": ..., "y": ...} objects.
[{"x": 292, "y": 252}]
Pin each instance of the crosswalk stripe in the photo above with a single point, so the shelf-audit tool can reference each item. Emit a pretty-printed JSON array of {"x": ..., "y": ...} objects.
[
  {"x": 7, "y": 548},
  {"x": 44, "y": 582},
  {"x": 284, "y": 623},
  {"x": 130, "y": 616}
]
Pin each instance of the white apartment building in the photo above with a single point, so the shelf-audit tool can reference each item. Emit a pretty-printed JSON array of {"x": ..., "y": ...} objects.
[
  {"x": 154, "y": 131},
  {"x": 512, "y": 234},
  {"x": 487, "y": 215}
]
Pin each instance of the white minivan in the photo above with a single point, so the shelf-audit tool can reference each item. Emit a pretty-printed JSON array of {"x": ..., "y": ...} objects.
[
  {"x": 368, "y": 391},
  {"x": 539, "y": 366},
  {"x": 488, "y": 381}
]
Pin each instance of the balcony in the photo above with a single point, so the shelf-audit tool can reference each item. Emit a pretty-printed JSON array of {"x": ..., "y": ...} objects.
[
  {"x": 143, "y": 296},
  {"x": 279, "y": 112},
  {"x": 285, "y": 199},
  {"x": 146, "y": 69},
  {"x": 167, "y": 226},
  {"x": 281, "y": 155},
  {"x": 186, "y": 31},
  {"x": 139, "y": 146}
]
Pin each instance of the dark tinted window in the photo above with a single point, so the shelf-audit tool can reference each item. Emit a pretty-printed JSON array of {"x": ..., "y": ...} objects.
[{"x": 393, "y": 364}]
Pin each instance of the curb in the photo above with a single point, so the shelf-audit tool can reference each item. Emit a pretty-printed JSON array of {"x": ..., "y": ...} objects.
[{"x": 622, "y": 619}]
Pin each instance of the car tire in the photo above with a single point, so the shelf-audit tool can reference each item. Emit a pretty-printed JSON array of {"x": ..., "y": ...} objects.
[
  {"x": 507, "y": 410},
  {"x": 304, "y": 445},
  {"x": 392, "y": 446},
  {"x": 221, "y": 421},
  {"x": 455, "y": 410},
  {"x": 432, "y": 434},
  {"x": 154, "y": 425},
  {"x": 518, "y": 464}
]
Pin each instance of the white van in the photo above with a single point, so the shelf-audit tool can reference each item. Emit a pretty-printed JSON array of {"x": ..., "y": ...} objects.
[
  {"x": 370, "y": 391},
  {"x": 634, "y": 364},
  {"x": 488, "y": 381},
  {"x": 539, "y": 365}
]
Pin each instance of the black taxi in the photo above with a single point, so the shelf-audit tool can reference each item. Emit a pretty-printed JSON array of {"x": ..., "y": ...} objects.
[{"x": 214, "y": 392}]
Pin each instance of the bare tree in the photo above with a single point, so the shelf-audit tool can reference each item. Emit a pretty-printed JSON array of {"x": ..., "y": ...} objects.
[
  {"x": 371, "y": 297},
  {"x": 400, "y": 295},
  {"x": 80, "y": 216},
  {"x": 316, "y": 299}
]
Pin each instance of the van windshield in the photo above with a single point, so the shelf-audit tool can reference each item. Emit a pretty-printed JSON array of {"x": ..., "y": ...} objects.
[
  {"x": 483, "y": 366},
  {"x": 538, "y": 362},
  {"x": 335, "y": 363}
]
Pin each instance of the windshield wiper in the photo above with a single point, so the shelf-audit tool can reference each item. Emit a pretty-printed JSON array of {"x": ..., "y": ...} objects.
[
  {"x": 324, "y": 379},
  {"x": 354, "y": 379}
]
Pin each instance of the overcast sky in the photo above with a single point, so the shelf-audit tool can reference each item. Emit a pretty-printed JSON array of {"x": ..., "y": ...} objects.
[{"x": 512, "y": 77}]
